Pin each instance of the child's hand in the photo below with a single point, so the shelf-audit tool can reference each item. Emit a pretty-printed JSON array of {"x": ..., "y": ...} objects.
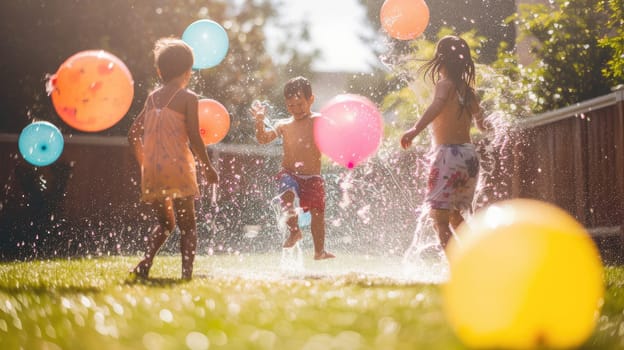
[
  {"x": 139, "y": 158},
  {"x": 257, "y": 110},
  {"x": 406, "y": 139},
  {"x": 210, "y": 174}
]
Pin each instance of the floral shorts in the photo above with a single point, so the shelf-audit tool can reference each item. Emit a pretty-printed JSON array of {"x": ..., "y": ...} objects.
[{"x": 453, "y": 177}]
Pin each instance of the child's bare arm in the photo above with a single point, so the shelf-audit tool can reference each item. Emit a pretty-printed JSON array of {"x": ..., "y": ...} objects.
[
  {"x": 480, "y": 121},
  {"x": 439, "y": 99},
  {"x": 477, "y": 115},
  {"x": 434, "y": 109},
  {"x": 196, "y": 142},
  {"x": 135, "y": 137},
  {"x": 262, "y": 135}
]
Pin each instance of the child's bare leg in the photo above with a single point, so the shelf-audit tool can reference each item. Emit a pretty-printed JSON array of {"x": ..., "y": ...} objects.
[
  {"x": 318, "y": 234},
  {"x": 166, "y": 224},
  {"x": 185, "y": 215},
  {"x": 441, "y": 225},
  {"x": 287, "y": 201},
  {"x": 455, "y": 219}
]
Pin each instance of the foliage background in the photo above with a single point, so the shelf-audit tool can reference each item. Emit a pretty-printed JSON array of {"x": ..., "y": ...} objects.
[
  {"x": 578, "y": 49},
  {"x": 39, "y": 35}
]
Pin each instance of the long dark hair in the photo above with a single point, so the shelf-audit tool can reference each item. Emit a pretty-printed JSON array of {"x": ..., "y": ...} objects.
[{"x": 453, "y": 54}]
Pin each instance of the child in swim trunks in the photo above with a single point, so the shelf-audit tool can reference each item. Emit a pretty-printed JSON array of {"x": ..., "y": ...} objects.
[
  {"x": 454, "y": 163},
  {"x": 166, "y": 142},
  {"x": 301, "y": 163}
]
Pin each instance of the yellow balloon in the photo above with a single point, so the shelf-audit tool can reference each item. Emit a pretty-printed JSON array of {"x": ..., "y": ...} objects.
[{"x": 525, "y": 274}]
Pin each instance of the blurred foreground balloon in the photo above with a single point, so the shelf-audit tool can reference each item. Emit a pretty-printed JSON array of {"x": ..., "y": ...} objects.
[
  {"x": 349, "y": 129},
  {"x": 214, "y": 121},
  {"x": 209, "y": 42},
  {"x": 525, "y": 275},
  {"x": 404, "y": 19},
  {"x": 92, "y": 90},
  {"x": 40, "y": 143}
]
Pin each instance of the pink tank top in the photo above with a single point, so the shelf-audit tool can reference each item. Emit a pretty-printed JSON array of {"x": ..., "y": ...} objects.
[{"x": 168, "y": 165}]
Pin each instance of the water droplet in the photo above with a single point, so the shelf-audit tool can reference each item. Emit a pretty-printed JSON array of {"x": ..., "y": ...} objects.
[{"x": 166, "y": 315}]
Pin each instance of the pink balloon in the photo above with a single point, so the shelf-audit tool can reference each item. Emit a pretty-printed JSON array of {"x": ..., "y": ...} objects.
[{"x": 349, "y": 129}]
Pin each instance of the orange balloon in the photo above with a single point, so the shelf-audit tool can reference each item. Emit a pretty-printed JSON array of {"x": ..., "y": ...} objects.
[
  {"x": 92, "y": 90},
  {"x": 404, "y": 19},
  {"x": 214, "y": 121}
]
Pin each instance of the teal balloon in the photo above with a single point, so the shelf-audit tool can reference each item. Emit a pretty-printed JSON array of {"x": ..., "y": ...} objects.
[
  {"x": 41, "y": 143},
  {"x": 304, "y": 219},
  {"x": 209, "y": 42}
]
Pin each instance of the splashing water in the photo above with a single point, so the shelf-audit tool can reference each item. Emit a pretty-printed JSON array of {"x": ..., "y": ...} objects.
[
  {"x": 425, "y": 260},
  {"x": 372, "y": 224},
  {"x": 271, "y": 113},
  {"x": 291, "y": 258}
]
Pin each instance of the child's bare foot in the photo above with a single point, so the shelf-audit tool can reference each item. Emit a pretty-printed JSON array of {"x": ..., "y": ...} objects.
[
  {"x": 323, "y": 255},
  {"x": 292, "y": 239},
  {"x": 141, "y": 271},
  {"x": 187, "y": 273}
]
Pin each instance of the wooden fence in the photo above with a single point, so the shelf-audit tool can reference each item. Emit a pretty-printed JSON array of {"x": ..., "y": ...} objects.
[{"x": 573, "y": 157}]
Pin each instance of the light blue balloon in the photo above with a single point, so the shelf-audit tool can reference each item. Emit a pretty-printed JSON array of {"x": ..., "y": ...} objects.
[
  {"x": 305, "y": 219},
  {"x": 41, "y": 143},
  {"x": 209, "y": 42}
]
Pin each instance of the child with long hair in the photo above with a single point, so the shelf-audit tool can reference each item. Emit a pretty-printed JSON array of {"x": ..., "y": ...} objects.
[{"x": 454, "y": 163}]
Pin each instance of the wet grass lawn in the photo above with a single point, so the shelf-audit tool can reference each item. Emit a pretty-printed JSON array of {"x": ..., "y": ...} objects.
[{"x": 91, "y": 304}]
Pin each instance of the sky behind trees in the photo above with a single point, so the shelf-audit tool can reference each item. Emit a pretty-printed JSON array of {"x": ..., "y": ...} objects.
[
  {"x": 269, "y": 40},
  {"x": 336, "y": 28}
]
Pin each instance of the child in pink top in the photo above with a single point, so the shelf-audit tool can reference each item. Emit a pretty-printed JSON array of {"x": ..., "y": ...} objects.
[{"x": 166, "y": 142}]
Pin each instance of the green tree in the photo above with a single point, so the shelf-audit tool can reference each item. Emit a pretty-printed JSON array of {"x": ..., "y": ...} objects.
[
  {"x": 407, "y": 103},
  {"x": 40, "y": 34},
  {"x": 569, "y": 58},
  {"x": 486, "y": 17},
  {"x": 398, "y": 88},
  {"x": 613, "y": 39}
]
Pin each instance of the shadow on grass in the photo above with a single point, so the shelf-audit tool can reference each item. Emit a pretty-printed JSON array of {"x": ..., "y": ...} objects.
[
  {"x": 41, "y": 290},
  {"x": 155, "y": 281},
  {"x": 358, "y": 279}
]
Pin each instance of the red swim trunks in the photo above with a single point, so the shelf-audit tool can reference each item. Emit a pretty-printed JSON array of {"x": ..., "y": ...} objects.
[{"x": 309, "y": 188}]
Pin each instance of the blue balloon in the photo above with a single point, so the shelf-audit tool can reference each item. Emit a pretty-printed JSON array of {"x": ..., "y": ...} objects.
[
  {"x": 209, "y": 42},
  {"x": 41, "y": 143},
  {"x": 304, "y": 219}
]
